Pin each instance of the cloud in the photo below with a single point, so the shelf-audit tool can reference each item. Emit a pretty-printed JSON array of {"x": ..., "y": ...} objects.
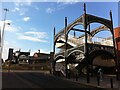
[
  {"x": 20, "y": 6},
  {"x": 36, "y": 8},
  {"x": 13, "y": 28},
  {"x": 61, "y": 5},
  {"x": 7, "y": 45},
  {"x": 9, "y": 26},
  {"x": 33, "y": 29},
  {"x": 26, "y": 19},
  {"x": 33, "y": 36},
  {"x": 23, "y": 11},
  {"x": 15, "y": 9},
  {"x": 19, "y": 3},
  {"x": 20, "y": 10},
  {"x": 37, "y": 34},
  {"x": 65, "y": 2},
  {"x": 50, "y": 10},
  {"x": 6, "y": 22}
]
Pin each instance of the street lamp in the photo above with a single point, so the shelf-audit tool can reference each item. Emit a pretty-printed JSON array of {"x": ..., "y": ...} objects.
[
  {"x": 2, "y": 37},
  {"x": 0, "y": 47}
]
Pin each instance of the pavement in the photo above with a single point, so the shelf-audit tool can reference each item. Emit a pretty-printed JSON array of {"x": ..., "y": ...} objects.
[{"x": 105, "y": 82}]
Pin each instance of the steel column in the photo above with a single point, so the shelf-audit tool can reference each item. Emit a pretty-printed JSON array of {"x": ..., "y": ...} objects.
[
  {"x": 66, "y": 47},
  {"x": 53, "y": 61},
  {"x": 86, "y": 44}
]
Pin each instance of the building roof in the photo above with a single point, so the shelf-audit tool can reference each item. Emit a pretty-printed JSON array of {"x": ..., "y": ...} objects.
[
  {"x": 25, "y": 53},
  {"x": 40, "y": 56}
]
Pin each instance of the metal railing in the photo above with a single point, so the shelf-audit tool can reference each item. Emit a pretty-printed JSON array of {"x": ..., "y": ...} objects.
[
  {"x": 103, "y": 41},
  {"x": 60, "y": 67},
  {"x": 95, "y": 40}
]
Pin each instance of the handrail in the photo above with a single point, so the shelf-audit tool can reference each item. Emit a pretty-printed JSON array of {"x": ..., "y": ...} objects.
[
  {"x": 98, "y": 40},
  {"x": 60, "y": 67}
]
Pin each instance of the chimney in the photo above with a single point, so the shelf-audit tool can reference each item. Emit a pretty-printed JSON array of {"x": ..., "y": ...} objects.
[
  {"x": 38, "y": 51},
  {"x": 19, "y": 50}
]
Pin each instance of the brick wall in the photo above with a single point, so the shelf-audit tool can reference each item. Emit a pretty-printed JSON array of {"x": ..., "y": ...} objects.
[{"x": 117, "y": 39}]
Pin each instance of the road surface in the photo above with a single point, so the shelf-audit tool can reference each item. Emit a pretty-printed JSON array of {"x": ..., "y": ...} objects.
[{"x": 35, "y": 80}]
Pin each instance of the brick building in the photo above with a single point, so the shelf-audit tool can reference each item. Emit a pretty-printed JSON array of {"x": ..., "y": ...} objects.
[
  {"x": 39, "y": 57},
  {"x": 117, "y": 39}
]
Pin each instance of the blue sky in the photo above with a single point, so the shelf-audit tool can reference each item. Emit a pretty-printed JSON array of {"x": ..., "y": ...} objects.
[{"x": 32, "y": 23}]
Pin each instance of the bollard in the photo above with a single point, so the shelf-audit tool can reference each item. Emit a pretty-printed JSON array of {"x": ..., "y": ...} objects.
[
  {"x": 69, "y": 75},
  {"x": 76, "y": 77},
  {"x": 111, "y": 82},
  {"x": 50, "y": 71},
  {"x": 98, "y": 80}
]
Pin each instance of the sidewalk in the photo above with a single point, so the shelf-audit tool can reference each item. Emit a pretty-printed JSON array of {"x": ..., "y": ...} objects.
[{"x": 104, "y": 83}]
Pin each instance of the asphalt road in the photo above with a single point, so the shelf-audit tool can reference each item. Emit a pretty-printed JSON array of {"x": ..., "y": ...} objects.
[{"x": 35, "y": 80}]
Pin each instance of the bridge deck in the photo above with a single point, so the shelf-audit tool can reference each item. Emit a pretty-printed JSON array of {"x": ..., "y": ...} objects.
[{"x": 90, "y": 46}]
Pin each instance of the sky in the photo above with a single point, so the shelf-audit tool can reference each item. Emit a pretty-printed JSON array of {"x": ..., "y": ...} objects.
[{"x": 31, "y": 23}]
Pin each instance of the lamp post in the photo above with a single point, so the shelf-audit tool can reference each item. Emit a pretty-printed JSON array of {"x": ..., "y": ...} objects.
[
  {"x": 0, "y": 46},
  {"x": 2, "y": 37},
  {"x": 86, "y": 44}
]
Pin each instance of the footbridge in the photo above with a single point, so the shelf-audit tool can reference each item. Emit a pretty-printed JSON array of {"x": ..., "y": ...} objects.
[{"x": 78, "y": 53}]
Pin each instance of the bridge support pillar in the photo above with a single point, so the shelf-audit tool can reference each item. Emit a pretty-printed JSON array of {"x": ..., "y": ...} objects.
[
  {"x": 66, "y": 69},
  {"x": 52, "y": 63},
  {"x": 88, "y": 76}
]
